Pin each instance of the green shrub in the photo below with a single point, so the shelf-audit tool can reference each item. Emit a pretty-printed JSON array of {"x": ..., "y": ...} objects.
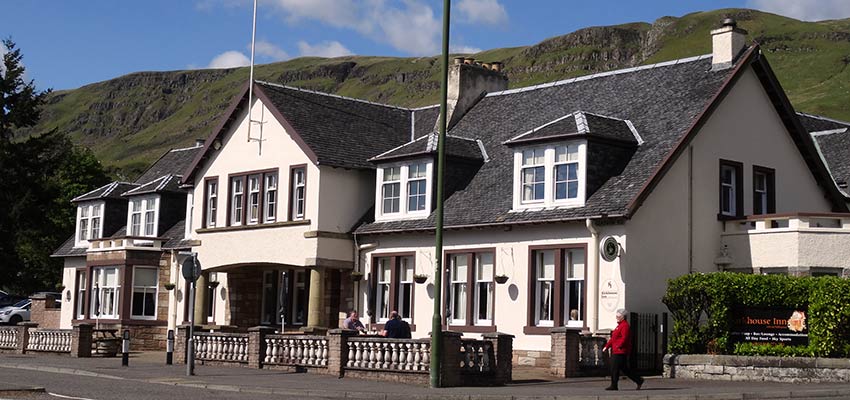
[{"x": 713, "y": 295}]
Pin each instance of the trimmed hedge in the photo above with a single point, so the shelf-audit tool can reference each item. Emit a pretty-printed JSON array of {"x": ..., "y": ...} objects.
[{"x": 701, "y": 304}]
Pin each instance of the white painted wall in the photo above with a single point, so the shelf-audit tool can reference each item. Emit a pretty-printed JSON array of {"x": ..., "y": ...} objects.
[
  {"x": 344, "y": 197},
  {"x": 69, "y": 276},
  {"x": 744, "y": 128}
]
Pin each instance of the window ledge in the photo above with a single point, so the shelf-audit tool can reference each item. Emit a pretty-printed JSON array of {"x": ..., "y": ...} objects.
[
  {"x": 473, "y": 328},
  {"x": 724, "y": 217},
  {"x": 252, "y": 227},
  {"x": 537, "y": 330}
]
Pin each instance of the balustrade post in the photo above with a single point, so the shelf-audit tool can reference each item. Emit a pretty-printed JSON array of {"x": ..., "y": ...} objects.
[
  {"x": 450, "y": 369},
  {"x": 338, "y": 354},
  {"x": 181, "y": 342},
  {"x": 503, "y": 352},
  {"x": 257, "y": 345},
  {"x": 565, "y": 352},
  {"x": 25, "y": 335},
  {"x": 81, "y": 340}
]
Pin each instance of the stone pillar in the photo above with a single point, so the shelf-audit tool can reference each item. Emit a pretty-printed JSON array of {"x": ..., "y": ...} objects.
[
  {"x": 338, "y": 350},
  {"x": 450, "y": 364},
  {"x": 23, "y": 338},
  {"x": 503, "y": 351},
  {"x": 200, "y": 296},
  {"x": 565, "y": 352},
  {"x": 257, "y": 345},
  {"x": 181, "y": 342},
  {"x": 81, "y": 340},
  {"x": 316, "y": 306}
]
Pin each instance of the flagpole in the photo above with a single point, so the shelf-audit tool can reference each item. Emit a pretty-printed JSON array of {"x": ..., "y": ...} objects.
[
  {"x": 251, "y": 70},
  {"x": 436, "y": 320}
]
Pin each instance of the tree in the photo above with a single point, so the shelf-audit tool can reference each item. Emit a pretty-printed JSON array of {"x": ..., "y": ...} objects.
[
  {"x": 40, "y": 175},
  {"x": 21, "y": 102}
]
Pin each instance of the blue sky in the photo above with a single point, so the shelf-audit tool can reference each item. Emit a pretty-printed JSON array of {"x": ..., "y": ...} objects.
[{"x": 69, "y": 44}]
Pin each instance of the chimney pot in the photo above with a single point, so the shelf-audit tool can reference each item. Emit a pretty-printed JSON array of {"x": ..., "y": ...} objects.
[
  {"x": 458, "y": 60},
  {"x": 468, "y": 60},
  {"x": 730, "y": 22},
  {"x": 496, "y": 66},
  {"x": 487, "y": 65}
]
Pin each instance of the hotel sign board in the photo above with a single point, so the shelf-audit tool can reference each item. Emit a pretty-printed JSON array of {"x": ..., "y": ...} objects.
[{"x": 781, "y": 326}]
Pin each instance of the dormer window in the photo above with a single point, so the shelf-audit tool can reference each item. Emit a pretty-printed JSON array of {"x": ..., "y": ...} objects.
[
  {"x": 550, "y": 175},
  {"x": 143, "y": 216},
  {"x": 404, "y": 190},
  {"x": 89, "y": 223}
]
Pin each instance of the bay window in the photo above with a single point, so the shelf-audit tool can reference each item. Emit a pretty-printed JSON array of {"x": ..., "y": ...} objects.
[
  {"x": 557, "y": 289},
  {"x": 144, "y": 292},
  {"x": 393, "y": 286},
  {"x": 106, "y": 290},
  {"x": 470, "y": 297},
  {"x": 404, "y": 190},
  {"x": 550, "y": 175}
]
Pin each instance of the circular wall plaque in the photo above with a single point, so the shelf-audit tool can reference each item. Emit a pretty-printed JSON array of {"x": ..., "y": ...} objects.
[{"x": 609, "y": 248}]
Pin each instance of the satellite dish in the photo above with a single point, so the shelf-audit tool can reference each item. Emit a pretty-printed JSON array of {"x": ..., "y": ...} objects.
[{"x": 609, "y": 248}]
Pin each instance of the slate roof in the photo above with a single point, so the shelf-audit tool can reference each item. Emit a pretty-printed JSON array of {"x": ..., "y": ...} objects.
[
  {"x": 427, "y": 145},
  {"x": 833, "y": 141},
  {"x": 173, "y": 162},
  {"x": 67, "y": 248},
  {"x": 345, "y": 132},
  {"x": 111, "y": 190},
  {"x": 662, "y": 102},
  {"x": 580, "y": 123}
]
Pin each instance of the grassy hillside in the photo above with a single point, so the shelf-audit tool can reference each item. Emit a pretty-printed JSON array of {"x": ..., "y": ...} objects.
[{"x": 131, "y": 120}]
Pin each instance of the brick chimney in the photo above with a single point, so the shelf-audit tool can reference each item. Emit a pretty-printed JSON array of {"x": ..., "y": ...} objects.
[
  {"x": 469, "y": 82},
  {"x": 727, "y": 43}
]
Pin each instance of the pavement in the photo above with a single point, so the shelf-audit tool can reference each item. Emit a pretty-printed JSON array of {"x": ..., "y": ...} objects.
[{"x": 18, "y": 371}]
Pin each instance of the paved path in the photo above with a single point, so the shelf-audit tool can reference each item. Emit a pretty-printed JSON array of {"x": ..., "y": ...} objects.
[{"x": 148, "y": 375}]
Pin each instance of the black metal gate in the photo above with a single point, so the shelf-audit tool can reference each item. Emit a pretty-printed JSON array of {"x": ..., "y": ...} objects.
[{"x": 649, "y": 341}]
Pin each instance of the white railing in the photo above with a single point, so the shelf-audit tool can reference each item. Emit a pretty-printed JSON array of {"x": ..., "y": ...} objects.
[
  {"x": 53, "y": 340},
  {"x": 476, "y": 355},
  {"x": 389, "y": 354},
  {"x": 124, "y": 243},
  {"x": 9, "y": 338},
  {"x": 224, "y": 347},
  {"x": 298, "y": 350}
]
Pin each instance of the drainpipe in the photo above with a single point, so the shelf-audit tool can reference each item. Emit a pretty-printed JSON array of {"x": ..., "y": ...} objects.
[
  {"x": 172, "y": 294},
  {"x": 594, "y": 255}
]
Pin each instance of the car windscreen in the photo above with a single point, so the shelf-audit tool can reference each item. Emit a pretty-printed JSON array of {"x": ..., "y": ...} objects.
[{"x": 21, "y": 303}]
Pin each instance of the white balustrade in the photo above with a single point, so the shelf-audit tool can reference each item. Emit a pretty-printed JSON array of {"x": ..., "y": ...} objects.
[
  {"x": 9, "y": 338},
  {"x": 52, "y": 340},
  {"x": 388, "y": 354},
  {"x": 228, "y": 347},
  {"x": 311, "y": 351}
]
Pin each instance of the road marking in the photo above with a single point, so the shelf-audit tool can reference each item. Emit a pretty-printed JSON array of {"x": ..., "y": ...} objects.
[{"x": 68, "y": 397}]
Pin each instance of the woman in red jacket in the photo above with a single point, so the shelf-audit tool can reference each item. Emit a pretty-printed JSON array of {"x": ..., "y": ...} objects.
[{"x": 621, "y": 346}]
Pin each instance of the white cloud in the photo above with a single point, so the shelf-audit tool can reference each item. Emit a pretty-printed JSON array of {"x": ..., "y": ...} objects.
[
  {"x": 263, "y": 48},
  {"x": 229, "y": 59},
  {"x": 807, "y": 10},
  {"x": 324, "y": 49},
  {"x": 464, "y": 49},
  {"x": 2, "y": 64},
  {"x": 337, "y": 13},
  {"x": 482, "y": 11}
]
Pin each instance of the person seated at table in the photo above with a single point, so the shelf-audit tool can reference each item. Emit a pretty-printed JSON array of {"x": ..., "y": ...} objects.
[
  {"x": 396, "y": 328},
  {"x": 353, "y": 322}
]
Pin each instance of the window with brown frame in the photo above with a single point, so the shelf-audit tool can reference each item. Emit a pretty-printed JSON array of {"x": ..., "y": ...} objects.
[
  {"x": 249, "y": 194},
  {"x": 210, "y": 210},
  {"x": 731, "y": 189},
  {"x": 764, "y": 190},
  {"x": 297, "y": 192},
  {"x": 556, "y": 287},
  {"x": 80, "y": 299},
  {"x": 392, "y": 286},
  {"x": 470, "y": 302}
]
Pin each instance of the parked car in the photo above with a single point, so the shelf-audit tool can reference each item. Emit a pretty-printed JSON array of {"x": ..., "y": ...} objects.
[
  {"x": 16, "y": 313},
  {"x": 7, "y": 299}
]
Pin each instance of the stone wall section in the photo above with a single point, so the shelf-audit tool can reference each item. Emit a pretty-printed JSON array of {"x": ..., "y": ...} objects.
[
  {"x": 743, "y": 368},
  {"x": 45, "y": 312}
]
